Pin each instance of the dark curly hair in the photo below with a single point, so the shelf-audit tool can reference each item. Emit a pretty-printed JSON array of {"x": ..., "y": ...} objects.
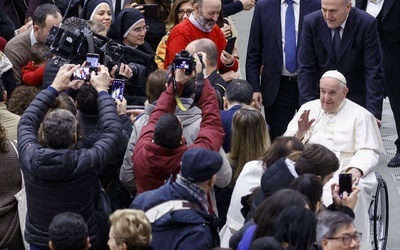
[
  {"x": 20, "y": 99},
  {"x": 86, "y": 100}
]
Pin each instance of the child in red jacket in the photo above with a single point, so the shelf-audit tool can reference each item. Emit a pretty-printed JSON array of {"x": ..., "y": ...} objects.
[{"x": 32, "y": 74}]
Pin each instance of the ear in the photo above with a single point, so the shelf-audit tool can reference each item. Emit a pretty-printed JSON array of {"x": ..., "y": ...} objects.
[
  {"x": 212, "y": 181},
  {"x": 345, "y": 91},
  {"x": 5, "y": 95},
  {"x": 324, "y": 243},
  {"x": 196, "y": 6},
  {"x": 349, "y": 7},
  {"x": 76, "y": 138},
  {"x": 124, "y": 246},
  {"x": 35, "y": 28},
  {"x": 225, "y": 102},
  {"x": 318, "y": 207},
  {"x": 88, "y": 245},
  {"x": 319, "y": 177},
  {"x": 51, "y": 245}
]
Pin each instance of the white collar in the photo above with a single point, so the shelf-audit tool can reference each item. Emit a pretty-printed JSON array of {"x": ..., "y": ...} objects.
[{"x": 32, "y": 37}]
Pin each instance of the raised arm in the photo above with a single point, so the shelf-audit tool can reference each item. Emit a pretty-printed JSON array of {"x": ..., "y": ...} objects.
[
  {"x": 109, "y": 121},
  {"x": 31, "y": 119}
]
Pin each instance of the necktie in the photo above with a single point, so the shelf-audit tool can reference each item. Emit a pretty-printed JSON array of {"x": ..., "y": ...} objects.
[
  {"x": 290, "y": 38},
  {"x": 336, "y": 41}
]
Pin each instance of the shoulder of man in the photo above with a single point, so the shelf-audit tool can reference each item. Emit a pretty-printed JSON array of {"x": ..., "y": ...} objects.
[
  {"x": 361, "y": 14},
  {"x": 22, "y": 38}
]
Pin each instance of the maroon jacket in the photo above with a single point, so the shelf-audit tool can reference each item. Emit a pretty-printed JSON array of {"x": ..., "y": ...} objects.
[{"x": 152, "y": 163}]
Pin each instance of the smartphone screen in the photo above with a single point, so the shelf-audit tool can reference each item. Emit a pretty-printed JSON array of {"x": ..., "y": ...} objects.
[
  {"x": 345, "y": 183},
  {"x": 150, "y": 10},
  {"x": 92, "y": 60},
  {"x": 117, "y": 89},
  {"x": 83, "y": 73},
  {"x": 230, "y": 45}
]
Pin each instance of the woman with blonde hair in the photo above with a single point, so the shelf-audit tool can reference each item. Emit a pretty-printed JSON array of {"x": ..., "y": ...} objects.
[
  {"x": 249, "y": 141},
  {"x": 130, "y": 230}
]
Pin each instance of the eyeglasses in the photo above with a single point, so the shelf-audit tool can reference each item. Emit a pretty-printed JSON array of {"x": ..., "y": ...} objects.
[
  {"x": 139, "y": 30},
  {"x": 348, "y": 238},
  {"x": 182, "y": 12}
]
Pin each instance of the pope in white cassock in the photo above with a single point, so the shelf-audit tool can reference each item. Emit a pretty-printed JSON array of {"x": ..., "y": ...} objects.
[{"x": 351, "y": 132}]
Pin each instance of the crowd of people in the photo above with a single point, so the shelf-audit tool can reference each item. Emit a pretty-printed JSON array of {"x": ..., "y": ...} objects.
[{"x": 210, "y": 160}]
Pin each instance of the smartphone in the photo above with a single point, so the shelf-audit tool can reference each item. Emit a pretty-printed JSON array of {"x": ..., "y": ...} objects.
[
  {"x": 83, "y": 73},
  {"x": 117, "y": 89},
  {"x": 345, "y": 183},
  {"x": 150, "y": 10},
  {"x": 92, "y": 60},
  {"x": 230, "y": 45}
]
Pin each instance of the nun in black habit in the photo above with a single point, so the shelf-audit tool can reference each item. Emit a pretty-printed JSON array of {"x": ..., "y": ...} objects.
[{"x": 129, "y": 29}]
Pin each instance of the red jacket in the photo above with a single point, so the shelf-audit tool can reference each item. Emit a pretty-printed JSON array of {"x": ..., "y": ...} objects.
[
  {"x": 185, "y": 32},
  {"x": 152, "y": 163},
  {"x": 32, "y": 75}
]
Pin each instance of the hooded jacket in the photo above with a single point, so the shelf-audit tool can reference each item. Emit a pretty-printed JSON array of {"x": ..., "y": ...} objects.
[{"x": 153, "y": 163}]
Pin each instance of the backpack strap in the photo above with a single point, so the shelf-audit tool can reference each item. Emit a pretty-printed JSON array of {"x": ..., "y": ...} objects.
[{"x": 164, "y": 208}]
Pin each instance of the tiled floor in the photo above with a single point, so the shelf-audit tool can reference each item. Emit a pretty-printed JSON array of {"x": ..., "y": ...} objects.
[{"x": 391, "y": 176}]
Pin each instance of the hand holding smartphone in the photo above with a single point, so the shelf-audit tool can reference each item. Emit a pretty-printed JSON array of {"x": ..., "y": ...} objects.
[
  {"x": 150, "y": 10},
  {"x": 345, "y": 184},
  {"x": 230, "y": 45},
  {"x": 117, "y": 89},
  {"x": 83, "y": 73}
]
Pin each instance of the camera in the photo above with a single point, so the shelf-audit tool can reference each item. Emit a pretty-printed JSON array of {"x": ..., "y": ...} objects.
[
  {"x": 68, "y": 46},
  {"x": 185, "y": 61},
  {"x": 81, "y": 44},
  {"x": 73, "y": 47}
]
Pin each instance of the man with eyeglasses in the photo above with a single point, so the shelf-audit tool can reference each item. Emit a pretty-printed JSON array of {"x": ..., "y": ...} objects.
[
  {"x": 202, "y": 23},
  {"x": 336, "y": 231}
]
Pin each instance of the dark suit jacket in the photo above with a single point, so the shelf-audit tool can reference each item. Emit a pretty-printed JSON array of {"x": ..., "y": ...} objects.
[
  {"x": 360, "y": 60},
  {"x": 265, "y": 46},
  {"x": 227, "y": 118},
  {"x": 388, "y": 20},
  {"x": 389, "y": 32}
]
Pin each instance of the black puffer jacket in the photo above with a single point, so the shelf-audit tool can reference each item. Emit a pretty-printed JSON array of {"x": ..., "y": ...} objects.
[{"x": 67, "y": 179}]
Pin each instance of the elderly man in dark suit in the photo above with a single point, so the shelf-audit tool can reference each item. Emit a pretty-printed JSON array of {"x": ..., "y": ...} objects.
[
  {"x": 272, "y": 48},
  {"x": 345, "y": 39},
  {"x": 387, "y": 13}
]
